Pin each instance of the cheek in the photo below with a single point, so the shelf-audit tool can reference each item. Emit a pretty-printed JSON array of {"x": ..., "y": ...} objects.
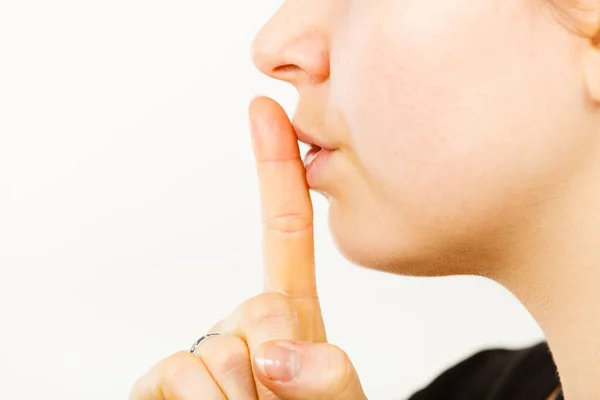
[
  {"x": 454, "y": 119},
  {"x": 405, "y": 93},
  {"x": 433, "y": 100}
]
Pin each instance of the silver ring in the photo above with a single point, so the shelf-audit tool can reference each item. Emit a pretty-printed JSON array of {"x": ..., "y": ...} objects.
[{"x": 202, "y": 339}]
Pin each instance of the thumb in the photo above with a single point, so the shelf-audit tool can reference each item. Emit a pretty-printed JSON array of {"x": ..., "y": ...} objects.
[{"x": 295, "y": 370}]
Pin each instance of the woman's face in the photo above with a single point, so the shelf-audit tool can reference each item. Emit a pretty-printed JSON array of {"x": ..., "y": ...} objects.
[{"x": 454, "y": 121}]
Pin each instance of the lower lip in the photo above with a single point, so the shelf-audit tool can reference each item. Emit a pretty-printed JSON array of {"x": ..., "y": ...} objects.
[{"x": 314, "y": 162}]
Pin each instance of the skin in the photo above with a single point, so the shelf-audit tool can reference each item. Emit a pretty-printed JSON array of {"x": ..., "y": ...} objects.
[{"x": 467, "y": 141}]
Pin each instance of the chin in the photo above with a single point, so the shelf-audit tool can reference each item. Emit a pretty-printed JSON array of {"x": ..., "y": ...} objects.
[
  {"x": 395, "y": 249},
  {"x": 364, "y": 247}
]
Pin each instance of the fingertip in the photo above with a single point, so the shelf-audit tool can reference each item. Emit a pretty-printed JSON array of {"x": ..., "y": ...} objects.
[
  {"x": 272, "y": 132},
  {"x": 252, "y": 104},
  {"x": 260, "y": 101}
]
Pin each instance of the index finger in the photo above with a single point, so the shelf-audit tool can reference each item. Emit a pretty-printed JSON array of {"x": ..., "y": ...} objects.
[{"x": 288, "y": 244}]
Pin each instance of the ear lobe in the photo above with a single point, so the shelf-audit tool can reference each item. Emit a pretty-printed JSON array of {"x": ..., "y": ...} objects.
[{"x": 591, "y": 67}]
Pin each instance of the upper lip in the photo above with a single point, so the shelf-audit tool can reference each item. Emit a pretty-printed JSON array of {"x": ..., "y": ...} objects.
[{"x": 307, "y": 138}]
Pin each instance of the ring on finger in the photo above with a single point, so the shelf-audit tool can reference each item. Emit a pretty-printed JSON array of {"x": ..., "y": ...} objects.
[{"x": 202, "y": 339}]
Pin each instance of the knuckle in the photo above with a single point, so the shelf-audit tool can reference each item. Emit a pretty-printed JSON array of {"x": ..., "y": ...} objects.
[
  {"x": 138, "y": 388},
  {"x": 268, "y": 308},
  {"x": 173, "y": 371},
  {"x": 229, "y": 357},
  {"x": 173, "y": 365},
  {"x": 272, "y": 307},
  {"x": 289, "y": 223}
]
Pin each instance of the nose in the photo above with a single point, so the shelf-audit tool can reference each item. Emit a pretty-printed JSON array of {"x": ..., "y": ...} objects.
[{"x": 293, "y": 46}]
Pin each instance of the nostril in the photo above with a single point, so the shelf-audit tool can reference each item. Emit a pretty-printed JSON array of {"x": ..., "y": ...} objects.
[{"x": 286, "y": 69}]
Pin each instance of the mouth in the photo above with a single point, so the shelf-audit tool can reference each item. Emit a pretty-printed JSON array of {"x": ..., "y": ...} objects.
[
  {"x": 316, "y": 145},
  {"x": 309, "y": 139},
  {"x": 311, "y": 154},
  {"x": 316, "y": 158}
]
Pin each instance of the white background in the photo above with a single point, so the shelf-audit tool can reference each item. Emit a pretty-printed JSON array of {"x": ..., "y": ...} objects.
[{"x": 129, "y": 218}]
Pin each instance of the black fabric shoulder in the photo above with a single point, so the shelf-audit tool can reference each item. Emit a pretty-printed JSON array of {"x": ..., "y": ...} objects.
[{"x": 497, "y": 374}]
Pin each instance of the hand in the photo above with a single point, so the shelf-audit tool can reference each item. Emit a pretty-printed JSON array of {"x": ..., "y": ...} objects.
[{"x": 274, "y": 345}]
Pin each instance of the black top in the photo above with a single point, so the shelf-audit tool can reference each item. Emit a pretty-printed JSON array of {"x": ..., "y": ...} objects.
[{"x": 526, "y": 374}]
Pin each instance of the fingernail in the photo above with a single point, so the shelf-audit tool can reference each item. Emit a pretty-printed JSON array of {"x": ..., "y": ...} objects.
[{"x": 279, "y": 361}]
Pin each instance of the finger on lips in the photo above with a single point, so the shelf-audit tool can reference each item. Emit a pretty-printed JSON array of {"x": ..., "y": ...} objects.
[
  {"x": 288, "y": 240},
  {"x": 289, "y": 309},
  {"x": 285, "y": 202}
]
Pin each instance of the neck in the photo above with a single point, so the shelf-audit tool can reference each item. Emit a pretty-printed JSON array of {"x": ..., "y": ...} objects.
[{"x": 556, "y": 275}]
